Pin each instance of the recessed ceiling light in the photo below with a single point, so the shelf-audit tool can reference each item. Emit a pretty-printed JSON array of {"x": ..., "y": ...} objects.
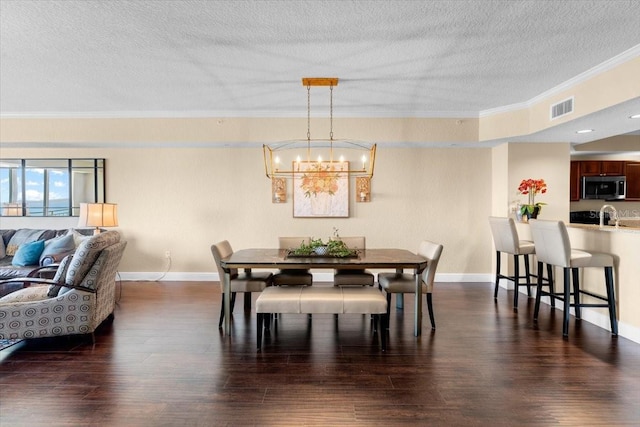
[
  {"x": 635, "y": 116},
  {"x": 585, "y": 131}
]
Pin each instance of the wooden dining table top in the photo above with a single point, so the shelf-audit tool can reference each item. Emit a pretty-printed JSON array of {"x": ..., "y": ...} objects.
[{"x": 366, "y": 258}]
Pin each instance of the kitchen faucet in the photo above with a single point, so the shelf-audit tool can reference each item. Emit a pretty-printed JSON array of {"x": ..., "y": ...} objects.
[{"x": 615, "y": 214}]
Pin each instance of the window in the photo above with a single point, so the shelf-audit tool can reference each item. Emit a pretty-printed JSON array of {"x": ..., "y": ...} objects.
[{"x": 49, "y": 187}]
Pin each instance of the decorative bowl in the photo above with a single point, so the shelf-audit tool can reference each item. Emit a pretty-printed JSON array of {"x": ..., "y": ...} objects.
[{"x": 321, "y": 250}]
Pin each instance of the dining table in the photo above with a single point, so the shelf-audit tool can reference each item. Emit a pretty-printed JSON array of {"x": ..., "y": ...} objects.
[{"x": 379, "y": 259}]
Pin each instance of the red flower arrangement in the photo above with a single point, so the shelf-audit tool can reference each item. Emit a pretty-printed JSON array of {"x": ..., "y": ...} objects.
[{"x": 531, "y": 187}]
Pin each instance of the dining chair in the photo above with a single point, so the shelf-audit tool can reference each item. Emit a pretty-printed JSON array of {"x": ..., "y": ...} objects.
[
  {"x": 506, "y": 240},
  {"x": 553, "y": 247},
  {"x": 292, "y": 276},
  {"x": 353, "y": 277},
  {"x": 246, "y": 282},
  {"x": 405, "y": 283}
]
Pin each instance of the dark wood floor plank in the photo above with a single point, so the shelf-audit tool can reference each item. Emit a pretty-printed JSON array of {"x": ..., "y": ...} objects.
[{"x": 164, "y": 362}]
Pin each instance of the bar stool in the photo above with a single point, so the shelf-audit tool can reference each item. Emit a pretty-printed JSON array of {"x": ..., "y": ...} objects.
[
  {"x": 554, "y": 248},
  {"x": 505, "y": 238}
]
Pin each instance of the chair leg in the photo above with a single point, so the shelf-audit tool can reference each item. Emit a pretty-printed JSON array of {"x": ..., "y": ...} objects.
[
  {"x": 567, "y": 302},
  {"x": 260, "y": 321},
  {"x": 516, "y": 281},
  {"x": 576, "y": 292},
  {"x": 538, "y": 292},
  {"x": 495, "y": 292},
  {"x": 384, "y": 319},
  {"x": 221, "y": 313},
  {"x": 388, "y": 303},
  {"x": 527, "y": 272},
  {"x": 430, "y": 307},
  {"x": 552, "y": 288},
  {"x": 247, "y": 301},
  {"x": 233, "y": 300},
  {"x": 611, "y": 299}
]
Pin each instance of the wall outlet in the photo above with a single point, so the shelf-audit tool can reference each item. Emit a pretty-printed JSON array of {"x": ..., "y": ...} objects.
[{"x": 167, "y": 254}]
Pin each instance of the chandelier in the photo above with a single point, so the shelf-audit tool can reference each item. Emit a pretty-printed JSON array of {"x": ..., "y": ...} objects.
[{"x": 288, "y": 159}]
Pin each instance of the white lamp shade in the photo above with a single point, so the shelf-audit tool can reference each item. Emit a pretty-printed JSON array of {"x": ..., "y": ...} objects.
[
  {"x": 12, "y": 209},
  {"x": 98, "y": 215}
]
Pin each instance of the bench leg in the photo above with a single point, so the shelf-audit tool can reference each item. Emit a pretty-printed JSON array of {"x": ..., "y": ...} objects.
[{"x": 259, "y": 329}]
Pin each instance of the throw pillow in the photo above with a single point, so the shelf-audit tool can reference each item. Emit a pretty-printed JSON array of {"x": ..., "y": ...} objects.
[
  {"x": 78, "y": 237},
  {"x": 3, "y": 253},
  {"x": 20, "y": 237},
  {"x": 57, "y": 246},
  {"x": 28, "y": 254}
]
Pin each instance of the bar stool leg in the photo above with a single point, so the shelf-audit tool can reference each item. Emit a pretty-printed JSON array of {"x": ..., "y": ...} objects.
[
  {"x": 567, "y": 302},
  {"x": 552, "y": 288},
  {"x": 527, "y": 272},
  {"x": 576, "y": 292},
  {"x": 495, "y": 292},
  {"x": 516, "y": 281},
  {"x": 538, "y": 292},
  {"x": 608, "y": 274}
]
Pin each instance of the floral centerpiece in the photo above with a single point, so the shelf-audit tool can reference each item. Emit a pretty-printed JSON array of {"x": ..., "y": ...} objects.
[
  {"x": 319, "y": 179},
  {"x": 334, "y": 247},
  {"x": 531, "y": 187}
]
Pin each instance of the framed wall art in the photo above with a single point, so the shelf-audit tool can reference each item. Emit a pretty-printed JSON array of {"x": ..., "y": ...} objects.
[{"x": 322, "y": 190}]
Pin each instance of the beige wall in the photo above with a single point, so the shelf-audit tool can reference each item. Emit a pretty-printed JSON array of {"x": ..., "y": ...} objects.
[{"x": 185, "y": 199}]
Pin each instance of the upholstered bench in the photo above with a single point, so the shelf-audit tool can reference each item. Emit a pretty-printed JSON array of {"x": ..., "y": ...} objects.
[{"x": 323, "y": 300}]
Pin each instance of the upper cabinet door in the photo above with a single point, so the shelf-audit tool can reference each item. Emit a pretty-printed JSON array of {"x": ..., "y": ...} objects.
[
  {"x": 632, "y": 171},
  {"x": 601, "y": 168}
]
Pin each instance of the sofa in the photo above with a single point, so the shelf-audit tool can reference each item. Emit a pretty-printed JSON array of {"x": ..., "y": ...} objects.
[
  {"x": 76, "y": 301},
  {"x": 55, "y": 245}
]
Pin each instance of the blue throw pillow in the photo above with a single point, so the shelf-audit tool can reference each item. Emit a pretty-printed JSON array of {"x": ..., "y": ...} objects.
[
  {"x": 28, "y": 254},
  {"x": 57, "y": 246}
]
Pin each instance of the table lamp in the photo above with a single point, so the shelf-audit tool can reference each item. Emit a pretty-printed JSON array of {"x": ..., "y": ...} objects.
[{"x": 98, "y": 215}]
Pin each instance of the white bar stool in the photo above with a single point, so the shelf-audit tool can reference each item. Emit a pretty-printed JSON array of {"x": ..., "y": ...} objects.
[
  {"x": 505, "y": 238},
  {"x": 554, "y": 248}
]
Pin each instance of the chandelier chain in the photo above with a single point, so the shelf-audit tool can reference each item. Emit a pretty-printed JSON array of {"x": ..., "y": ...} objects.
[{"x": 331, "y": 113}]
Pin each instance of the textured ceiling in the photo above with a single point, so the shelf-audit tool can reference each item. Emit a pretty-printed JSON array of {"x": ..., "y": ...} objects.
[{"x": 246, "y": 58}]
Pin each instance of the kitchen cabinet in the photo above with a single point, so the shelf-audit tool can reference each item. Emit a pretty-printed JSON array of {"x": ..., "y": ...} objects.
[
  {"x": 601, "y": 167},
  {"x": 632, "y": 172},
  {"x": 574, "y": 184}
]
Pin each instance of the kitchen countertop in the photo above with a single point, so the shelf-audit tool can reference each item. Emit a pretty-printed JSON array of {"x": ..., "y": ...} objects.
[{"x": 608, "y": 228}]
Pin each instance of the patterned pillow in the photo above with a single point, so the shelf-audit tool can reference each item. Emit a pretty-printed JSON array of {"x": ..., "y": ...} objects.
[{"x": 3, "y": 252}]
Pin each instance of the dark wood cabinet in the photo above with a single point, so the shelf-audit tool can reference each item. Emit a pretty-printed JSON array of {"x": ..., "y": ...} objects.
[
  {"x": 574, "y": 184},
  {"x": 601, "y": 167},
  {"x": 632, "y": 172}
]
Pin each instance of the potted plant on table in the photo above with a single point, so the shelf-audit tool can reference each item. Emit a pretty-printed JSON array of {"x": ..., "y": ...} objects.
[{"x": 531, "y": 187}]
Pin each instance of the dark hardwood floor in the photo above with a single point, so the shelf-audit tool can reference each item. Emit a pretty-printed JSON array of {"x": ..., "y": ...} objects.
[{"x": 163, "y": 362}]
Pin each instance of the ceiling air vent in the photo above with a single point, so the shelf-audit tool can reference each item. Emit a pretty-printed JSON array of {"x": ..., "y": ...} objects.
[{"x": 562, "y": 108}]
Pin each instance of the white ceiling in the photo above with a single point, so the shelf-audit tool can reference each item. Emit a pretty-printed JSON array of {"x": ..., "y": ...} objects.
[{"x": 191, "y": 58}]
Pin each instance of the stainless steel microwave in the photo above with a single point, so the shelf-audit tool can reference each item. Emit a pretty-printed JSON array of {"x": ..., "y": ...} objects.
[{"x": 604, "y": 187}]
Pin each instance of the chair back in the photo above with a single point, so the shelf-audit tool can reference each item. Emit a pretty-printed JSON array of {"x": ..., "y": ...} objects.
[
  {"x": 94, "y": 263},
  {"x": 431, "y": 251},
  {"x": 86, "y": 255},
  {"x": 222, "y": 250},
  {"x": 354, "y": 242},
  {"x": 552, "y": 242},
  {"x": 505, "y": 235},
  {"x": 292, "y": 242}
]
